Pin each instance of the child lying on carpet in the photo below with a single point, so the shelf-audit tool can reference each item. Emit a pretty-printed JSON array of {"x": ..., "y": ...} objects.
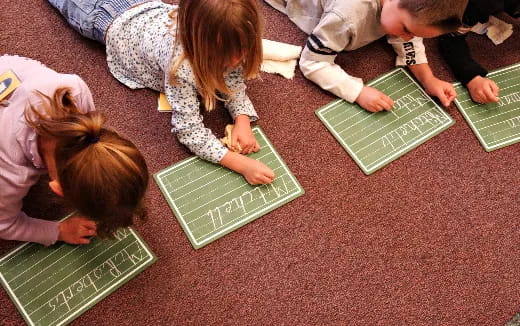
[
  {"x": 335, "y": 26},
  {"x": 49, "y": 125},
  {"x": 201, "y": 47},
  {"x": 455, "y": 50}
]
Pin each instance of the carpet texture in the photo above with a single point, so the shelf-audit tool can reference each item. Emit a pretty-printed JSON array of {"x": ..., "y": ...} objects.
[{"x": 431, "y": 239}]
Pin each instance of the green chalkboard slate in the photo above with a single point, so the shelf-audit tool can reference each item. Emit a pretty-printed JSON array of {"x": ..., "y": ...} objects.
[
  {"x": 375, "y": 139},
  {"x": 496, "y": 125},
  {"x": 211, "y": 201},
  {"x": 53, "y": 285}
]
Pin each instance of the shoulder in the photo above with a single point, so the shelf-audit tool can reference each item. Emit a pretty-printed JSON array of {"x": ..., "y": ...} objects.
[
  {"x": 75, "y": 83},
  {"x": 184, "y": 73},
  {"x": 80, "y": 91},
  {"x": 24, "y": 68},
  {"x": 35, "y": 76},
  {"x": 17, "y": 61},
  {"x": 77, "y": 86},
  {"x": 348, "y": 10}
]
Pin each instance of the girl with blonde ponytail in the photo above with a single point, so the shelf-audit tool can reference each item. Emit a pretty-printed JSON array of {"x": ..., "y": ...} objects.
[
  {"x": 200, "y": 47},
  {"x": 50, "y": 126}
]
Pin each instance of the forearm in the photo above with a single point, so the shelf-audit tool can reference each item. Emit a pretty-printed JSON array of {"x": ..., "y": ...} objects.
[
  {"x": 422, "y": 72},
  {"x": 443, "y": 90},
  {"x": 202, "y": 142},
  {"x": 456, "y": 52},
  {"x": 332, "y": 78},
  {"x": 255, "y": 172},
  {"x": 25, "y": 228},
  {"x": 234, "y": 161}
]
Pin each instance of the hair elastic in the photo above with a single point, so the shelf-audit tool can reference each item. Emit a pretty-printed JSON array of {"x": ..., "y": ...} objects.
[{"x": 92, "y": 140}]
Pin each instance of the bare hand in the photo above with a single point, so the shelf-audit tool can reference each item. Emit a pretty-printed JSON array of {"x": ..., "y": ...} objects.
[
  {"x": 257, "y": 172},
  {"x": 444, "y": 91},
  {"x": 483, "y": 90},
  {"x": 77, "y": 230},
  {"x": 243, "y": 135},
  {"x": 373, "y": 100}
]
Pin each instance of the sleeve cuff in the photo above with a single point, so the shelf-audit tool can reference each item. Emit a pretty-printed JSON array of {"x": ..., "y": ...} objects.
[
  {"x": 410, "y": 52},
  {"x": 332, "y": 78},
  {"x": 249, "y": 111},
  {"x": 213, "y": 152}
]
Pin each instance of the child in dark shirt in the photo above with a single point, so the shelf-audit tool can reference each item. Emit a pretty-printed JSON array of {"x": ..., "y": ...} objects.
[{"x": 457, "y": 54}]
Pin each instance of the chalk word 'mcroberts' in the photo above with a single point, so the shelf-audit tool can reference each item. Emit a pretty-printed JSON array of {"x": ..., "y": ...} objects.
[{"x": 109, "y": 269}]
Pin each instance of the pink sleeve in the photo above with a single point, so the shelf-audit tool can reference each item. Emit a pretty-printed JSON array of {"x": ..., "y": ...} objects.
[
  {"x": 25, "y": 228},
  {"x": 15, "y": 224}
]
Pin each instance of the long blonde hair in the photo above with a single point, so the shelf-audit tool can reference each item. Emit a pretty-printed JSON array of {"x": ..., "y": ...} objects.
[
  {"x": 213, "y": 33},
  {"x": 102, "y": 174}
]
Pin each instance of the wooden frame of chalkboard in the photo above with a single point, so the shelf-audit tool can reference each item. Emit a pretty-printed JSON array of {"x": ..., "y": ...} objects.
[
  {"x": 211, "y": 201},
  {"x": 373, "y": 140}
]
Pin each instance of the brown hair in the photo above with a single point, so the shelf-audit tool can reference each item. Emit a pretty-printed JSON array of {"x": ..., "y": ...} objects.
[
  {"x": 443, "y": 14},
  {"x": 212, "y": 33},
  {"x": 101, "y": 173}
]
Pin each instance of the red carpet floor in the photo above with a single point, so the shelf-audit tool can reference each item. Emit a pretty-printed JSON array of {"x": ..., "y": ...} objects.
[{"x": 431, "y": 239}]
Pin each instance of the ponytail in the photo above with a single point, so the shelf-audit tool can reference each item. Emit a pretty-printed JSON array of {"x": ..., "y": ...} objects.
[{"x": 101, "y": 173}]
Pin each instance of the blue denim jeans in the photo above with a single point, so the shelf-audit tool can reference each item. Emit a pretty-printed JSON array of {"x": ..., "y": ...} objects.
[{"x": 91, "y": 18}]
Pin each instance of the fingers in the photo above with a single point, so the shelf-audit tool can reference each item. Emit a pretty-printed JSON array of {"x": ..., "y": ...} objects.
[
  {"x": 262, "y": 179},
  {"x": 84, "y": 232},
  {"x": 373, "y": 108},
  {"x": 488, "y": 96},
  {"x": 88, "y": 233},
  {"x": 260, "y": 173},
  {"x": 89, "y": 225},
  {"x": 451, "y": 94},
  {"x": 269, "y": 174},
  {"x": 86, "y": 227},
  {"x": 495, "y": 89},
  {"x": 485, "y": 96},
  {"x": 77, "y": 239},
  {"x": 383, "y": 102},
  {"x": 83, "y": 241},
  {"x": 234, "y": 142},
  {"x": 483, "y": 90},
  {"x": 267, "y": 180},
  {"x": 83, "y": 236},
  {"x": 491, "y": 92},
  {"x": 77, "y": 230},
  {"x": 248, "y": 148},
  {"x": 388, "y": 103},
  {"x": 443, "y": 99},
  {"x": 480, "y": 97}
]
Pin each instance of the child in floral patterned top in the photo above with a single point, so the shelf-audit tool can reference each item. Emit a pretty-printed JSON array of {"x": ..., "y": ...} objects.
[{"x": 201, "y": 47}]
